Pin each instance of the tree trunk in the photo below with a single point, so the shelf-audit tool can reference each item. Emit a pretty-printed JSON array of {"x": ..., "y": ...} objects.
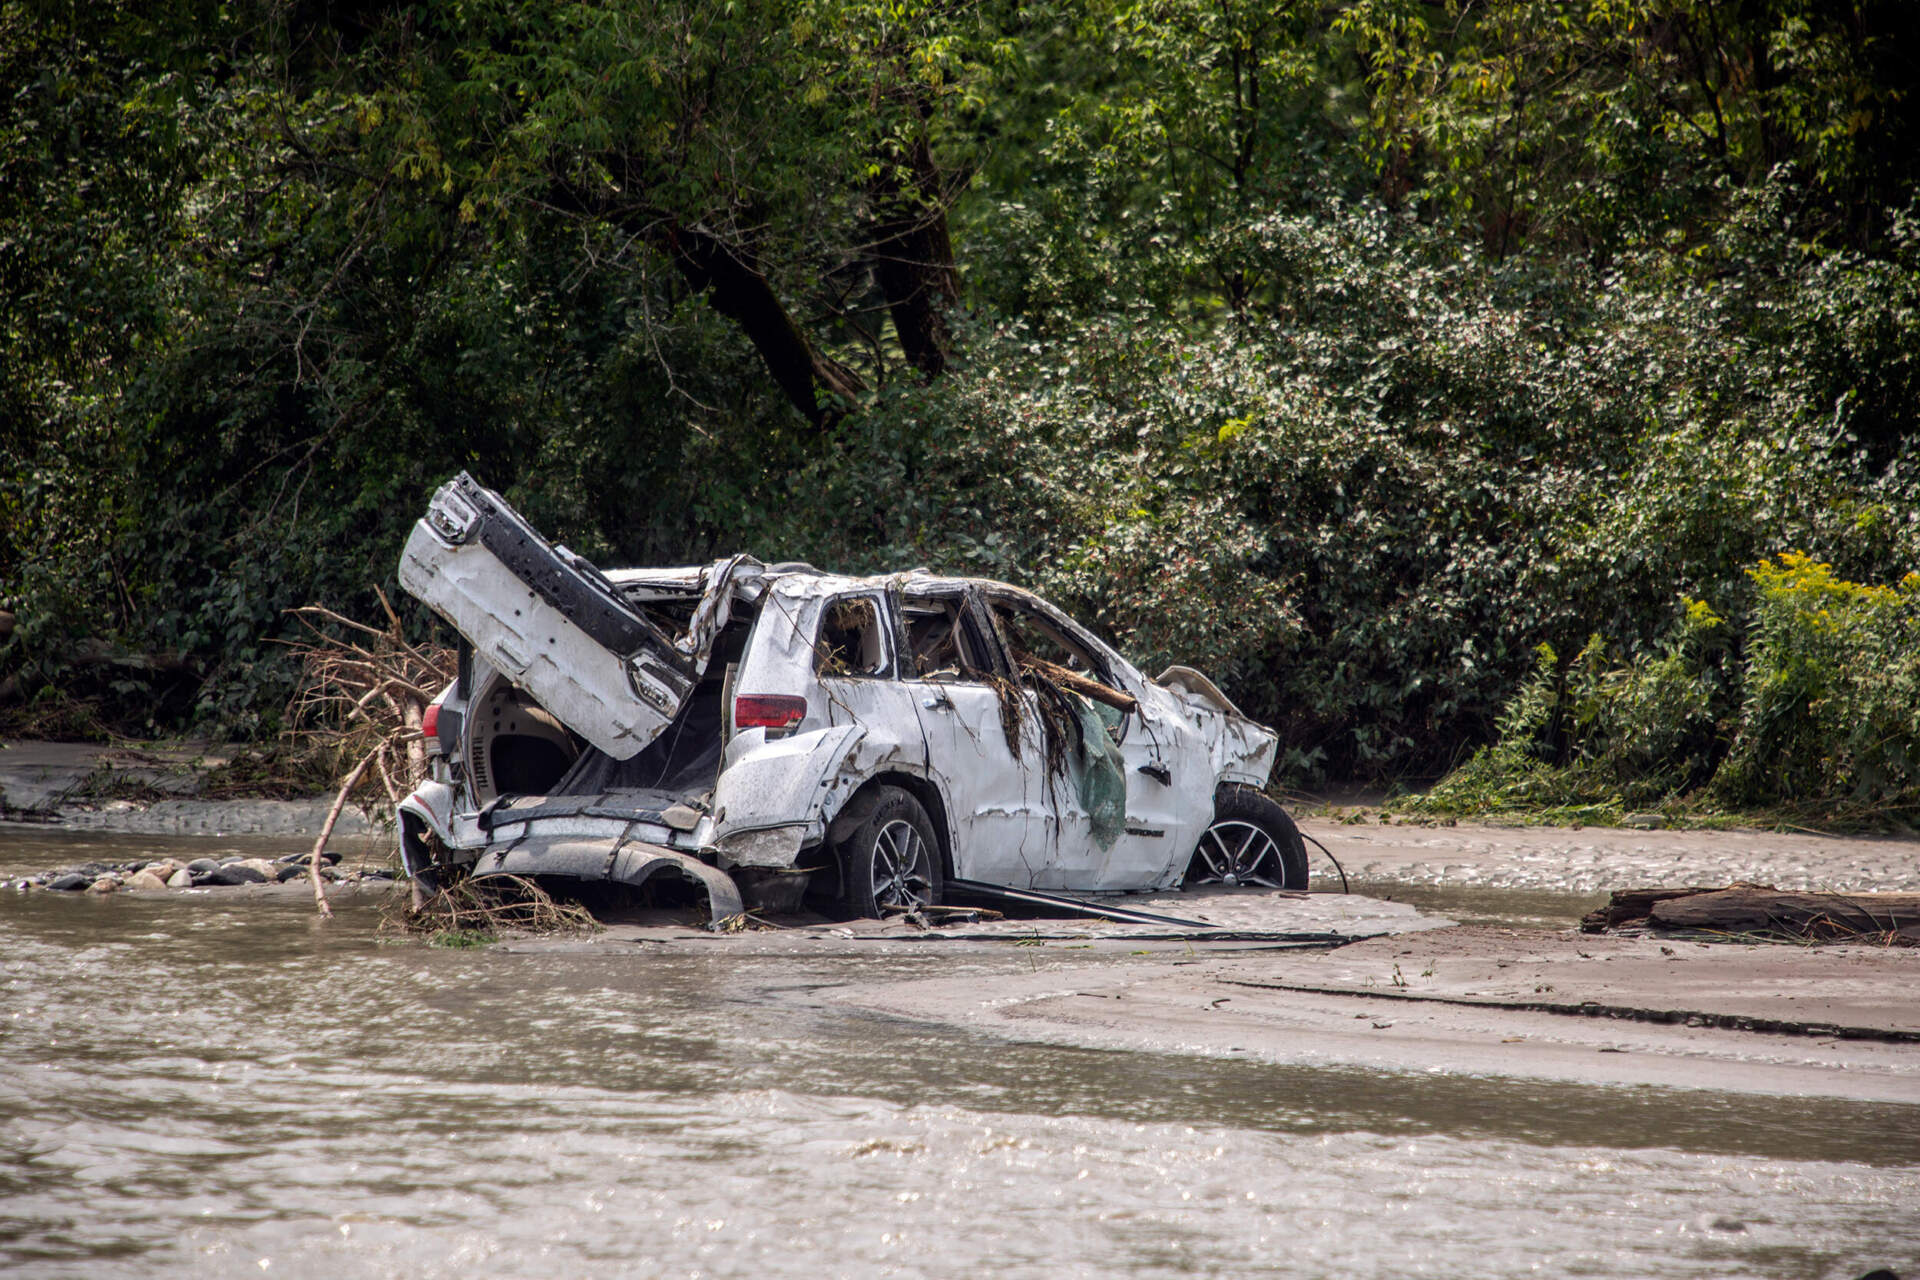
[
  {"x": 820, "y": 387},
  {"x": 1806, "y": 915},
  {"x": 729, "y": 274},
  {"x": 1632, "y": 906},
  {"x": 1763, "y": 910},
  {"x": 912, "y": 255}
]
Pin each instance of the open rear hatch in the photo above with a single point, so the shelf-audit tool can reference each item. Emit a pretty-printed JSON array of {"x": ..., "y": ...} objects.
[{"x": 550, "y": 621}]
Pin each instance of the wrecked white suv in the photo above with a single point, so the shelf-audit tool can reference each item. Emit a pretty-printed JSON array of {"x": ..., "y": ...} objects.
[{"x": 764, "y": 731}]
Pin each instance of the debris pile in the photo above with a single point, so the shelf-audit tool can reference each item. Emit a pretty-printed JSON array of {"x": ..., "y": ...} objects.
[
  {"x": 364, "y": 695},
  {"x": 483, "y": 909}
]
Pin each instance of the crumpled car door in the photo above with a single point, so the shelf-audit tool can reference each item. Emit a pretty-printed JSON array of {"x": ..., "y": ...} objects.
[
  {"x": 548, "y": 619},
  {"x": 998, "y": 802}
]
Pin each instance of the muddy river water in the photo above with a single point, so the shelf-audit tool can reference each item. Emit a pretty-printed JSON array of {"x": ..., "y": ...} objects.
[{"x": 223, "y": 1086}]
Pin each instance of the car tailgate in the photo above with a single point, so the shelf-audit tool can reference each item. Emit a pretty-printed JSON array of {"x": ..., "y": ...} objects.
[{"x": 547, "y": 619}]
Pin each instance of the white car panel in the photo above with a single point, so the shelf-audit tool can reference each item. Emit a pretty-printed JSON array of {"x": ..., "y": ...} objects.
[
  {"x": 617, "y": 701},
  {"x": 766, "y": 797}
]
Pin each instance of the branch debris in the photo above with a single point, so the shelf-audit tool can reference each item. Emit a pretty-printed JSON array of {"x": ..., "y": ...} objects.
[{"x": 362, "y": 697}]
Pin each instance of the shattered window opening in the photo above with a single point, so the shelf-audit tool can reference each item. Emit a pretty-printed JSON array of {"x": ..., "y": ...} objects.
[
  {"x": 1044, "y": 653},
  {"x": 850, "y": 642},
  {"x": 938, "y": 643},
  {"x": 1029, "y": 634}
]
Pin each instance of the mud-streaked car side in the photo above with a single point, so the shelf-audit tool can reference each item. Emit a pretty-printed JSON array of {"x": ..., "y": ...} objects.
[{"x": 766, "y": 730}]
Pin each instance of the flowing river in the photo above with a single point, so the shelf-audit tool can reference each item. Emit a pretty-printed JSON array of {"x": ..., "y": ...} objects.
[{"x": 216, "y": 1083}]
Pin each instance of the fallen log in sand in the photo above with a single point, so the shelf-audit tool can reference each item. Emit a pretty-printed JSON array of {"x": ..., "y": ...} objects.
[
  {"x": 1632, "y": 906},
  {"x": 1762, "y": 911}
]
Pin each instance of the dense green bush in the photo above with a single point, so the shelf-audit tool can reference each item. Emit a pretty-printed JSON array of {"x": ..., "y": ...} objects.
[
  {"x": 1365, "y": 510},
  {"x": 1328, "y": 347},
  {"x": 1603, "y": 734},
  {"x": 1363, "y": 507},
  {"x": 1830, "y": 713},
  {"x": 1821, "y": 715}
]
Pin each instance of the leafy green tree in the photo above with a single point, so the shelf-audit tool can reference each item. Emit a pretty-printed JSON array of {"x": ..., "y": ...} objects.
[
  {"x": 1597, "y": 124},
  {"x": 1351, "y": 349}
]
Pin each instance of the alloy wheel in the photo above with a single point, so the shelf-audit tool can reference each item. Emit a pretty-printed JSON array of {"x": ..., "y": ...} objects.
[
  {"x": 1237, "y": 852},
  {"x": 902, "y": 869}
]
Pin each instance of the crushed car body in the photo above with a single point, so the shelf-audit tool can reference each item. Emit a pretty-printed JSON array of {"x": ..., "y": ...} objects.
[{"x": 762, "y": 732}]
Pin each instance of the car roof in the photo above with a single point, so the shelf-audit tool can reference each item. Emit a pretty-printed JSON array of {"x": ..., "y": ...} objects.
[{"x": 797, "y": 578}]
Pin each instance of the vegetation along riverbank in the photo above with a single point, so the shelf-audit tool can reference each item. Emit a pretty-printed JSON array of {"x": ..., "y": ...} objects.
[{"x": 1525, "y": 388}]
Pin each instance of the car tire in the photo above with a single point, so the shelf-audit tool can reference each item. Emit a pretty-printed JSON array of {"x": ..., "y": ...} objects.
[
  {"x": 891, "y": 861},
  {"x": 1251, "y": 841}
]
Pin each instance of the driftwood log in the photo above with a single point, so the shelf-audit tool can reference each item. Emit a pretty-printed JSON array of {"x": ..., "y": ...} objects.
[
  {"x": 1762, "y": 910},
  {"x": 1075, "y": 681},
  {"x": 1632, "y": 906}
]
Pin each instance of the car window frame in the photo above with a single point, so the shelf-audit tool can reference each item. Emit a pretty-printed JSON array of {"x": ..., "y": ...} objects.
[
  {"x": 1108, "y": 664},
  {"x": 1103, "y": 661},
  {"x": 890, "y": 668},
  {"x": 970, "y": 614}
]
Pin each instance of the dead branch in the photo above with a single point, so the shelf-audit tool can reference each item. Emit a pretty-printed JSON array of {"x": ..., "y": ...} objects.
[
  {"x": 326, "y": 830},
  {"x": 491, "y": 906},
  {"x": 1085, "y": 686},
  {"x": 364, "y": 697}
]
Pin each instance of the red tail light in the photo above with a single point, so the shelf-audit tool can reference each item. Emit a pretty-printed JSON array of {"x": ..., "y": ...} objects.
[
  {"x": 768, "y": 711},
  {"x": 430, "y": 723}
]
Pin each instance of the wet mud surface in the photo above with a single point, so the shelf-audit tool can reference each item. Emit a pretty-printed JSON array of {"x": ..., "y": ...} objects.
[
  {"x": 212, "y": 1082},
  {"x": 1467, "y": 1001}
]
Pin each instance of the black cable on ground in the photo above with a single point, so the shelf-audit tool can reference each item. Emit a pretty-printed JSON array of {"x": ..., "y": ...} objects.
[{"x": 1330, "y": 858}]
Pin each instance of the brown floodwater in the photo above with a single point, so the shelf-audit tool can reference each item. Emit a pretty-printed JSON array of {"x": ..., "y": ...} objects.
[{"x": 215, "y": 1083}]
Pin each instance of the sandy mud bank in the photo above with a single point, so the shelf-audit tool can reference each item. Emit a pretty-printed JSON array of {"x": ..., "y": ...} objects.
[
  {"x": 1834, "y": 1022},
  {"x": 1412, "y": 993}
]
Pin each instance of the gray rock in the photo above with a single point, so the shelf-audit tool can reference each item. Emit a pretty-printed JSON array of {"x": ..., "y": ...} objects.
[
  {"x": 181, "y": 879},
  {"x": 69, "y": 881},
  {"x": 284, "y": 874},
  {"x": 201, "y": 866},
  {"x": 233, "y": 873},
  {"x": 266, "y": 869}
]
